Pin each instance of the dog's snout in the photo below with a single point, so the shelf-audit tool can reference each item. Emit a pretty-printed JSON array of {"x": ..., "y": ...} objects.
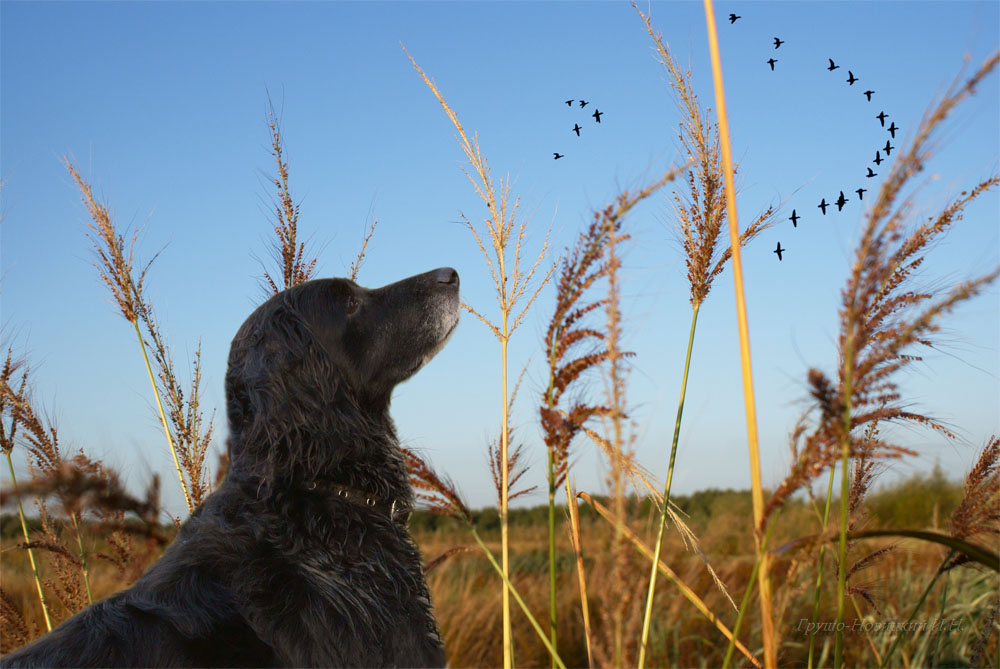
[{"x": 446, "y": 275}]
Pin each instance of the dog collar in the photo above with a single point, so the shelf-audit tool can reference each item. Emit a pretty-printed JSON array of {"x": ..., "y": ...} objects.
[{"x": 395, "y": 510}]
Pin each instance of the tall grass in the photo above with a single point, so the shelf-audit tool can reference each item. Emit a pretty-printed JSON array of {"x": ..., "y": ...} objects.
[
  {"x": 190, "y": 436},
  {"x": 764, "y": 584},
  {"x": 701, "y": 210},
  {"x": 505, "y": 237}
]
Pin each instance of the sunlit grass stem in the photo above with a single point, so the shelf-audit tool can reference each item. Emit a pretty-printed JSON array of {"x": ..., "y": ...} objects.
[
  {"x": 757, "y": 491},
  {"x": 31, "y": 554},
  {"x": 666, "y": 491},
  {"x": 517, "y": 597}
]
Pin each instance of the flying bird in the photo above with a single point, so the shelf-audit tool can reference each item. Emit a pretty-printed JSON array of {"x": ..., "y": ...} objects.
[
  {"x": 878, "y": 158},
  {"x": 841, "y": 201},
  {"x": 576, "y": 129},
  {"x": 795, "y": 219},
  {"x": 778, "y": 42},
  {"x": 597, "y": 115},
  {"x": 823, "y": 205},
  {"x": 871, "y": 174},
  {"x": 732, "y": 18},
  {"x": 583, "y": 103},
  {"x": 860, "y": 191},
  {"x": 778, "y": 251},
  {"x": 888, "y": 148},
  {"x": 851, "y": 78},
  {"x": 569, "y": 103},
  {"x": 868, "y": 94},
  {"x": 557, "y": 155},
  {"x": 882, "y": 116},
  {"x": 771, "y": 62},
  {"x": 893, "y": 129},
  {"x": 832, "y": 65}
]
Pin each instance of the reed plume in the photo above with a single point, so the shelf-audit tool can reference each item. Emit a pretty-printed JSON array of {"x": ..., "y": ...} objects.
[
  {"x": 9, "y": 398},
  {"x": 289, "y": 251},
  {"x": 701, "y": 214},
  {"x": 190, "y": 436},
  {"x": 882, "y": 318},
  {"x": 978, "y": 514},
  {"x": 511, "y": 284}
]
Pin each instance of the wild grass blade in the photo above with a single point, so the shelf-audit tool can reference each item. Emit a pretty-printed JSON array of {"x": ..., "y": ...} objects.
[{"x": 674, "y": 578}]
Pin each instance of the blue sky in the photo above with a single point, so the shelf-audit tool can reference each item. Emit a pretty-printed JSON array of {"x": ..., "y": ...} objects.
[{"x": 163, "y": 108}]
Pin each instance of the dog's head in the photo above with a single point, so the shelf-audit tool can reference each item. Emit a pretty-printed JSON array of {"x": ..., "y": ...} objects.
[{"x": 317, "y": 364}]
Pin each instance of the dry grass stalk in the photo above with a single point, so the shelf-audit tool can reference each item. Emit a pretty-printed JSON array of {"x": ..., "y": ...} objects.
[
  {"x": 882, "y": 318},
  {"x": 768, "y": 632},
  {"x": 701, "y": 211},
  {"x": 511, "y": 284},
  {"x": 8, "y": 433},
  {"x": 673, "y": 577},
  {"x": 187, "y": 443},
  {"x": 356, "y": 265},
  {"x": 41, "y": 441},
  {"x": 978, "y": 514},
  {"x": 295, "y": 269}
]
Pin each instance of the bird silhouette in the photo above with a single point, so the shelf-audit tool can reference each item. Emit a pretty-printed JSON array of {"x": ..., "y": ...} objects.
[
  {"x": 794, "y": 219},
  {"x": 778, "y": 42},
  {"x": 841, "y": 201},
  {"x": 882, "y": 116},
  {"x": 583, "y": 103},
  {"x": 888, "y": 147},
  {"x": 878, "y": 158},
  {"x": 860, "y": 191},
  {"x": 557, "y": 155},
  {"x": 823, "y": 205},
  {"x": 597, "y": 115},
  {"x": 576, "y": 129},
  {"x": 732, "y": 18},
  {"x": 569, "y": 103},
  {"x": 868, "y": 94},
  {"x": 771, "y": 62},
  {"x": 833, "y": 66},
  {"x": 851, "y": 78},
  {"x": 893, "y": 129},
  {"x": 779, "y": 251},
  {"x": 871, "y": 174}
]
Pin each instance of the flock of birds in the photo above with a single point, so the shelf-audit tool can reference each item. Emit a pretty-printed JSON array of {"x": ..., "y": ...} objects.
[
  {"x": 576, "y": 126},
  {"x": 881, "y": 116},
  {"x": 823, "y": 204}
]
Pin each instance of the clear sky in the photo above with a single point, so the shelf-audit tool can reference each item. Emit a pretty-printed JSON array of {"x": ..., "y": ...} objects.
[{"x": 163, "y": 108}]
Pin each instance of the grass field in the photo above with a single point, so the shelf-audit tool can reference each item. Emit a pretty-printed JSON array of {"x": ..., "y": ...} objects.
[
  {"x": 785, "y": 576},
  {"x": 467, "y": 602}
]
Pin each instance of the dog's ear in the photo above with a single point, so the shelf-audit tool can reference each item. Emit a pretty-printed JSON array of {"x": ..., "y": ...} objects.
[{"x": 280, "y": 387}]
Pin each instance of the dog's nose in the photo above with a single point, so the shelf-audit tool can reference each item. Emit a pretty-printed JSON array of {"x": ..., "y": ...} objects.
[{"x": 446, "y": 275}]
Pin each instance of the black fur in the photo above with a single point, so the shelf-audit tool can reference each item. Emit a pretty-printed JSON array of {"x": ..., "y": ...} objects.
[{"x": 275, "y": 568}]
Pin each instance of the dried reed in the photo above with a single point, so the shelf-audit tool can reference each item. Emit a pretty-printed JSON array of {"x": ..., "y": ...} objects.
[
  {"x": 757, "y": 493},
  {"x": 701, "y": 211},
  {"x": 190, "y": 437},
  {"x": 881, "y": 319},
  {"x": 511, "y": 284},
  {"x": 8, "y": 432},
  {"x": 295, "y": 268}
]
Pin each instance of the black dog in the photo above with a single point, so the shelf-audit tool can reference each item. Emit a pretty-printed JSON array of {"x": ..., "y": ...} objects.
[{"x": 302, "y": 556}]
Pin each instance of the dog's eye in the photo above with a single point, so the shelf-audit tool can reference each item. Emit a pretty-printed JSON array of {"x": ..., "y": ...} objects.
[{"x": 352, "y": 305}]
